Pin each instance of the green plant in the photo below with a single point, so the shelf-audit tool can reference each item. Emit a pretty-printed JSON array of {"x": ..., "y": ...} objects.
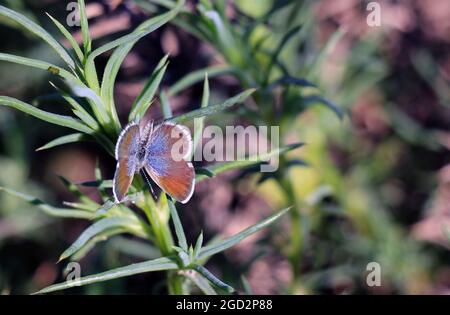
[
  {"x": 91, "y": 101},
  {"x": 260, "y": 48}
]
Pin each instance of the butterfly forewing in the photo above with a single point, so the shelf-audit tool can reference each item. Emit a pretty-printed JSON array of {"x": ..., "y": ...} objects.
[
  {"x": 168, "y": 148},
  {"x": 126, "y": 151}
]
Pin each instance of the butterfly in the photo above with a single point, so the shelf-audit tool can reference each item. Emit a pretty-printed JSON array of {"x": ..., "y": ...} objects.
[{"x": 160, "y": 152}]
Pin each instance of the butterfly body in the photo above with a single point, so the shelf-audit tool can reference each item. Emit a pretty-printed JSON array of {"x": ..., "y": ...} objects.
[{"x": 151, "y": 151}]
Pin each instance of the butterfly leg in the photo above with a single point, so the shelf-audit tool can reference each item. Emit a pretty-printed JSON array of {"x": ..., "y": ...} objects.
[{"x": 147, "y": 179}]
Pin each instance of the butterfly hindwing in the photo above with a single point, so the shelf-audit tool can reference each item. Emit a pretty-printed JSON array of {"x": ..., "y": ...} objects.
[
  {"x": 168, "y": 148},
  {"x": 126, "y": 152}
]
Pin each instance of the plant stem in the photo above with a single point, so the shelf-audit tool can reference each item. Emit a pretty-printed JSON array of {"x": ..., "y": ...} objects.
[{"x": 163, "y": 238}]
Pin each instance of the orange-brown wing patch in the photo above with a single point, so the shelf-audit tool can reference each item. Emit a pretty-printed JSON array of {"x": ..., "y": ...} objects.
[
  {"x": 128, "y": 141},
  {"x": 178, "y": 181},
  {"x": 122, "y": 180}
]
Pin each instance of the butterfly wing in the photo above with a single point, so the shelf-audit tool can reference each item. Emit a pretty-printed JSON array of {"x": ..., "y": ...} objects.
[
  {"x": 168, "y": 147},
  {"x": 126, "y": 151}
]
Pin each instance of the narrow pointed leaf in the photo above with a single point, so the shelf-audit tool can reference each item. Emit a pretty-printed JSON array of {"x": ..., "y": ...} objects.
[
  {"x": 198, "y": 131},
  {"x": 98, "y": 108},
  {"x": 73, "y": 188},
  {"x": 38, "y": 31},
  {"x": 158, "y": 264},
  {"x": 316, "y": 64},
  {"x": 47, "y": 209},
  {"x": 95, "y": 229},
  {"x": 196, "y": 76},
  {"x": 77, "y": 109},
  {"x": 144, "y": 99},
  {"x": 84, "y": 27},
  {"x": 74, "y": 137},
  {"x": 316, "y": 99},
  {"x": 100, "y": 237},
  {"x": 53, "y": 69},
  {"x": 178, "y": 226},
  {"x": 109, "y": 78},
  {"x": 279, "y": 49},
  {"x": 97, "y": 183},
  {"x": 69, "y": 38},
  {"x": 80, "y": 206},
  {"x": 135, "y": 248},
  {"x": 61, "y": 120},
  {"x": 201, "y": 282},
  {"x": 198, "y": 245},
  {"x": 250, "y": 161},
  {"x": 218, "y": 247},
  {"x": 143, "y": 30},
  {"x": 289, "y": 80},
  {"x": 212, "y": 109},
  {"x": 213, "y": 279},
  {"x": 165, "y": 105}
]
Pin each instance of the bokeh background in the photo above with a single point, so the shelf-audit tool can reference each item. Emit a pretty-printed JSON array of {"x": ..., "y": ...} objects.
[{"x": 375, "y": 186}]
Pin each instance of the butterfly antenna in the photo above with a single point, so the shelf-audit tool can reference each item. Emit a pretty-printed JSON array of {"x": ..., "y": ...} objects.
[{"x": 148, "y": 183}]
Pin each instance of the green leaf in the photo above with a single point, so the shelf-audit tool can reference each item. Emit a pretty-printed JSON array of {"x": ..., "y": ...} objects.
[
  {"x": 213, "y": 279},
  {"x": 196, "y": 76},
  {"x": 100, "y": 237},
  {"x": 143, "y": 30},
  {"x": 276, "y": 53},
  {"x": 74, "y": 137},
  {"x": 84, "y": 27},
  {"x": 69, "y": 37},
  {"x": 73, "y": 188},
  {"x": 253, "y": 160},
  {"x": 198, "y": 130},
  {"x": 178, "y": 226},
  {"x": 289, "y": 80},
  {"x": 134, "y": 248},
  {"x": 95, "y": 229},
  {"x": 198, "y": 245},
  {"x": 97, "y": 183},
  {"x": 109, "y": 78},
  {"x": 77, "y": 109},
  {"x": 165, "y": 105},
  {"x": 316, "y": 64},
  {"x": 65, "y": 121},
  {"x": 80, "y": 206},
  {"x": 201, "y": 282},
  {"x": 316, "y": 99},
  {"x": 218, "y": 247},
  {"x": 204, "y": 171},
  {"x": 47, "y": 209},
  {"x": 39, "y": 65},
  {"x": 158, "y": 264},
  {"x": 212, "y": 109},
  {"x": 38, "y": 31},
  {"x": 99, "y": 109},
  {"x": 144, "y": 99}
]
